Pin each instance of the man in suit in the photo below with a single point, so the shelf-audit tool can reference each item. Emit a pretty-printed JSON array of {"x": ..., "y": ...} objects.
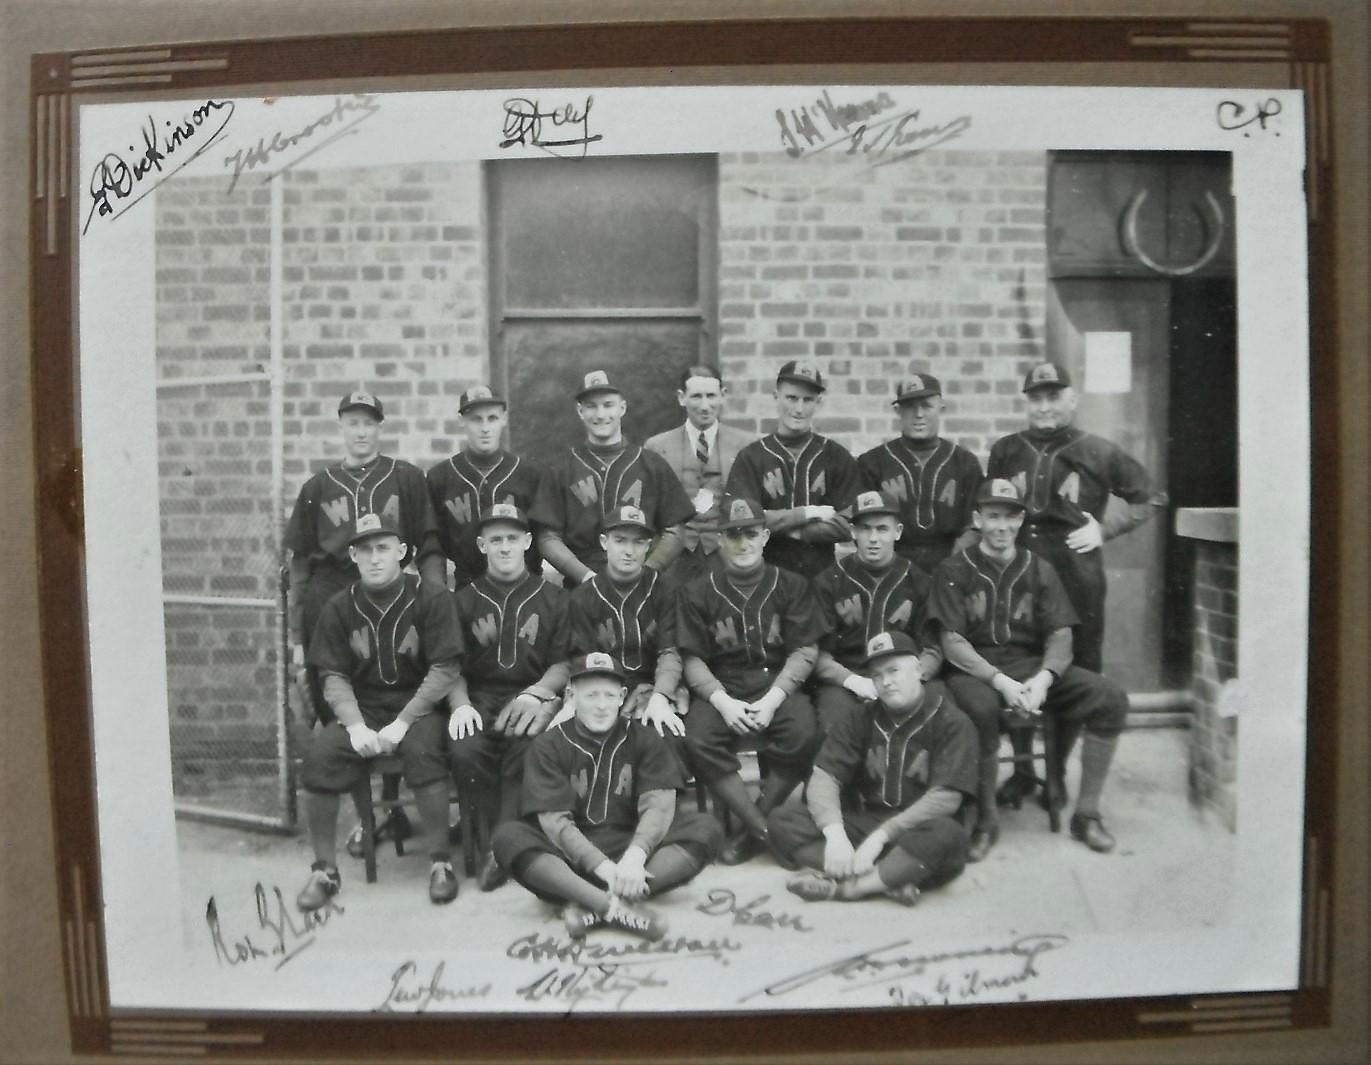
[{"x": 700, "y": 451}]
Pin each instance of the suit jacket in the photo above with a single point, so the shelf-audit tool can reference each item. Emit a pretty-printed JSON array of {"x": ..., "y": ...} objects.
[{"x": 675, "y": 446}]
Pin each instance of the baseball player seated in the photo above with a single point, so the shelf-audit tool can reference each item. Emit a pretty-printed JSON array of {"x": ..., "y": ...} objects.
[
  {"x": 602, "y": 789},
  {"x": 514, "y": 626},
  {"x": 1006, "y": 628},
  {"x": 387, "y": 651},
  {"x": 888, "y": 802},
  {"x": 870, "y": 591},
  {"x": 629, "y": 612},
  {"x": 748, "y": 634}
]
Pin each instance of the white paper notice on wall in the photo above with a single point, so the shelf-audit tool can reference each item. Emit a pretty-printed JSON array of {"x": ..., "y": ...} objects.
[{"x": 1108, "y": 362}]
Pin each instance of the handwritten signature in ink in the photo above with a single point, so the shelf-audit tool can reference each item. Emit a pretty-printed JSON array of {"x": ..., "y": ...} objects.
[
  {"x": 265, "y": 149},
  {"x": 826, "y": 124},
  {"x": 724, "y": 903},
  {"x": 1232, "y": 115},
  {"x": 115, "y": 178},
  {"x": 565, "y": 127},
  {"x": 576, "y": 984},
  {"x": 285, "y": 938},
  {"x": 410, "y": 993}
]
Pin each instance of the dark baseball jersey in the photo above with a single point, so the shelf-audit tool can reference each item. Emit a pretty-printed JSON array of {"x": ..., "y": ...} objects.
[
  {"x": 385, "y": 643},
  {"x": 513, "y": 633},
  {"x": 331, "y": 501},
  {"x": 631, "y": 623},
  {"x": 461, "y": 490},
  {"x": 597, "y": 778},
  {"x": 886, "y": 762},
  {"x": 934, "y": 488},
  {"x": 576, "y": 491},
  {"x": 858, "y": 604},
  {"x": 1066, "y": 475},
  {"x": 745, "y": 635},
  {"x": 1003, "y": 612},
  {"x": 822, "y": 472}
]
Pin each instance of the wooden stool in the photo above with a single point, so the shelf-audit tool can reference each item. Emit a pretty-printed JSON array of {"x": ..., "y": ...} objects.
[
  {"x": 1044, "y": 725},
  {"x": 367, "y": 807}
]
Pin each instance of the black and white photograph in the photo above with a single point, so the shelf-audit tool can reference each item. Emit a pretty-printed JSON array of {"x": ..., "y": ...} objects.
[{"x": 651, "y": 550}]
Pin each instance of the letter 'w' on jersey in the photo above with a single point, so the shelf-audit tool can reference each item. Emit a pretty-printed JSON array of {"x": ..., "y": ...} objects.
[
  {"x": 773, "y": 484},
  {"x": 585, "y": 490},
  {"x": 336, "y": 510},
  {"x": 484, "y": 630}
]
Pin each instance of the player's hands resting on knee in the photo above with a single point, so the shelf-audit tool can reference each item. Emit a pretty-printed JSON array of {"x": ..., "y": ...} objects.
[
  {"x": 660, "y": 712},
  {"x": 1034, "y": 692},
  {"x": 365, "y": 742},
  {"x": 465, "y": 721},
  {"x": 838, "y": 853},
  {"x": 734, "y": 712},
  {"x": 1009, "y": 689},
  {"x": 764, "y": 709},
  {"x": 392, "y": 734},
  {"x": 864, "y": 858}
]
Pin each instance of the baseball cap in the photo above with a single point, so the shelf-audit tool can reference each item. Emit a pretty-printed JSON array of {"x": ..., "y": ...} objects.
[
  {"x": 597, "y": 662},
  {"x": 739, "y": 512},
  {"x": 478, "y": 396},
  {"x": 627, "y": 517},
  {"x": 1046, "y": 375},
  {"x": 502, "y": 512},
  {"x": 802, "y": 372},
  {"x": 916, "y": 387},
  {"x": 869, "y": 503},
  {"x": 364, "y": 400},
  {"x": 998, "y": 490},
  {"x": 595, "y": 382},
  {"x": 369, "y": 525},
  {"x": 887, "y": 644}
]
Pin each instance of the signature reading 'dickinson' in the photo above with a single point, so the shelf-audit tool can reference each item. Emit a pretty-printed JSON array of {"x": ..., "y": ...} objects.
[{"x": 163, "y": 152}]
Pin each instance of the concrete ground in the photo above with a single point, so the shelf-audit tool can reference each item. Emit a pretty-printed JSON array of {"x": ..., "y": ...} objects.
[{"x": 1172, "y": 870}]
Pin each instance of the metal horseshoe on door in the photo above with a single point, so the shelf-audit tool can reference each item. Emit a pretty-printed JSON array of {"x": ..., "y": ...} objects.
[{"x": 1130, "y": 236}]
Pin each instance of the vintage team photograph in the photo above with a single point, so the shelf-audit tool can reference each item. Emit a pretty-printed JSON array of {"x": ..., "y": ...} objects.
[{"x": 693, "y": 550}]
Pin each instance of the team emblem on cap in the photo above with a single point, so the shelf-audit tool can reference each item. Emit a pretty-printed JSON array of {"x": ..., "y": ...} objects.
[
  {"x": 369, "y": 523},
  {"x": 1044, "y": 373},
  {"x": 599, "y": 660},
  {"x": 879, "y": 643},
  {"x": 633, "y": 514},
  {"x": 916, "y": 384},
  {"x": 479, "y": 392},
  {"x": 362, "y": 399},
  {"x": 505, "y": 510},
  {"x": 806, "y": 369},
  {"x": 869, "y": 499},
  {"x": 1002, "y": 489},
  {"x": 596, "y": 378},
  {"x": 739, "y": 511}
]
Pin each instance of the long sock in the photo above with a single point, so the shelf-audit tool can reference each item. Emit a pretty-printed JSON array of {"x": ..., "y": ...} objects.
[
  {"x": 321, "y": 815},
  {"x": 552, "y": 876},
  {"x": 732, "y": 792},
  {"x": 988, "y": 777},
  {"x": 672, "y": 866},
  {"x": 1096, "y": 754},
  {"x": 775, "y": 789},
  {"x": 432, "y": 801},
  {"x": 1067, "y": 734}
]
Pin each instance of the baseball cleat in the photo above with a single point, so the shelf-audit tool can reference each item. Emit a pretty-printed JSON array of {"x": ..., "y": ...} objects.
[
  {"x": 905, "y": 894},
  {"x": 981, "y": 841},
  {"x": 739, "y": 847},
  {"x": 1090, "y": 830},
  {"x": 812, "y": 886},
  {"x": 638, "y": 922},
  {"x": 491, "y": 874},
  {"x": 442, "y": 883},
  {"x": 578, "y": 920},
  {"x": 324, "y": 882}
]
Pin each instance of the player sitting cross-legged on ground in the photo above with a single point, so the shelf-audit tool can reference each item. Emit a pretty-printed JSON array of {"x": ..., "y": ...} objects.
[
  {"x": 603, "y": 791},
  {"x": 886, "y": 807},
  {"x": 387, "y": 652},
  {"x": 748, "y": 634}
]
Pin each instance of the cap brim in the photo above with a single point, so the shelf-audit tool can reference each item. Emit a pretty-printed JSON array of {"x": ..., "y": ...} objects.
[
  {"x": 598, "y": 390},
  {"x": 489, "y": 401},
  {"x": 796, "y": 379},
  {"x": 629, "y": 525},
  {"x": 751, "y": 523},
  {"x": 362, "y": 406},
  {"x": 518, "y": 523},
  {"x": 600, "y": 673},
  {"x": 893, "y": 652},
  {"x": 1017, "y": 504},
  {"x": 875, "y": 513},
  {"x": 910, "y": 397},
  {"x": 358, "y": 538},
  {"x": 1039, "y": 386}
]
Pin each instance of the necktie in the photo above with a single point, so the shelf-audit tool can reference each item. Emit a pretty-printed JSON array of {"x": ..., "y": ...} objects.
[{"x": 702, "y": 449}]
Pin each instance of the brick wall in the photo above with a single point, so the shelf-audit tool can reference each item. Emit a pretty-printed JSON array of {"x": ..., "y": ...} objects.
[
  {"x": 1214, "y": 731},
  {"x": 933, "y": 265}
]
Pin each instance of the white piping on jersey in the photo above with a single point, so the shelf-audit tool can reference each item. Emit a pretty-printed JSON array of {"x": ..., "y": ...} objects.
[
  {"x": 595, "y": 774},
  {"x": 916, "y": 483},
  {"x": 500, "y": 622},
  {"x": 1050, "y": 453},
  {"x": 601, "y": 474},
  {"x": 791, "y": 464},
  {"x": 376, "y": 631},
  {"x": 475, "y": 487},
  {"x": 904, "y": 751},
  {"x": 875, "y": 609},
  {"x": 993, "y": 603},
  {"x": 354, "y": 490},
  {"x": 623, "y": 624},
  {"x": 760, "y": 602}
]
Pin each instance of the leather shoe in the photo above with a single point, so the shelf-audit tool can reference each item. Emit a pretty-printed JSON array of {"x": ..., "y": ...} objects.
[
  {"x": 982, "y": 839},
  {"x": 1014, "y": 790},
  {"x": 323, "y": 883},
  {"x": 1090, "y": 830},
  {"x": 741, "y": 846},
  {"x": 442, "y": 883},
  {"x": 491, "y": 874}
]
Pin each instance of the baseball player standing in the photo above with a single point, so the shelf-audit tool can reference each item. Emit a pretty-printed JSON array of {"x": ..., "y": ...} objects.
[
  {"x": 931, "y": 479},
  {"x": 514, "y": 627},
  {"x": 1007, "y": 628},
  {"x": 748, "y": 634},
  {"x": 465, "y": 485},
  {"x": 887, "y": 804},
  {"x": 580, "y": 487},
  {"x": 700, "y": 452},
  {"x": 806, "y": 482},
  {"x": 871, "y": 591},
  {"x": 387, "y": 649}
]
